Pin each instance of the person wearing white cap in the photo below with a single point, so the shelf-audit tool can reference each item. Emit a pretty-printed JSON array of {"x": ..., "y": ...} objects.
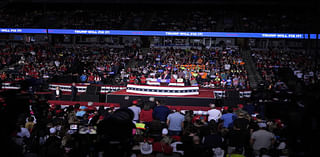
[
  {"x": 164, "y": 131},
  {"x": 145, "y": 148},
  {"x": 52, "y": 130},
  {"x": 261, "y": 138},
  {"x": 214, "y": 114},
  {"x": 218, "y": 152},
  {"x": 53, "y": 144}
]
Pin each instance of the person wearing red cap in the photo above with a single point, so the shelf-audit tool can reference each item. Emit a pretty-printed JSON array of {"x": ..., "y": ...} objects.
[{"x": 135, "y": 109}]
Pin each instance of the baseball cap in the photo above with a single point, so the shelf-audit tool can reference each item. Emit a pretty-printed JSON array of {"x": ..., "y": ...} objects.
[
  {"x": 53, "y": 130},
  {"x": 145, "y": 148},
  {"x": 90, "y": 103},
  {"x": 218, "y": 152},
  {"x": 164, "y": 131},
  {"x": 262, "y": 125},
  {"x": 135, "y": 102}
]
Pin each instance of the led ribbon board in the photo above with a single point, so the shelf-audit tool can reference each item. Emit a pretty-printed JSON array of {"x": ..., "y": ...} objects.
[
  {"x": 159, "y": 33},
  {"x": 23, "y": 30},
  {"x": 176, "y": 33}
]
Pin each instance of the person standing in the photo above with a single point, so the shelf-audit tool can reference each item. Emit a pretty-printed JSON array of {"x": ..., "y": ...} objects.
[
  {"x": 262, "y": 139},
  {"x": 74, "y": 91},
  {"x": 214, "y": 114},
  {"x": 161, "y": 112},
  {"x": 57, "y": 93},
  {"x": 175, "y": 123},
  {"x": 146, "y": 114},
  {"x": 228, "y": 118},
  {"x": 136, "y": 110}
]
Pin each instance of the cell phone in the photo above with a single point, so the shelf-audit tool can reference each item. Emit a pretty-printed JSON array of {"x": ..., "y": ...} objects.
[{"x": 73, "y": 127}]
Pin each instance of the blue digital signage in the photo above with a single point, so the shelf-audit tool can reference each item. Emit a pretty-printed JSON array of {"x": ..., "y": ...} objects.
[
  {"x": 313, "y": 36},
  {"x": 160, "y": 33},
  {"x": 23, "y": 30},
  {"x": 176, "y": 33}
]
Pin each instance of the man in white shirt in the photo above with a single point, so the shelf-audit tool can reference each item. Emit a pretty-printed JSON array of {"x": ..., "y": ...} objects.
[{"x": 214, "y": 114}]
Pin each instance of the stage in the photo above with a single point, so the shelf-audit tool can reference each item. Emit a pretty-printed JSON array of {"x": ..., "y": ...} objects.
[{"x": 170, "y": 95}]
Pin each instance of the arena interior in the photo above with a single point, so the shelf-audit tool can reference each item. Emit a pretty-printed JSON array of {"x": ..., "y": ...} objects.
[{"x": 159, "y": 78}]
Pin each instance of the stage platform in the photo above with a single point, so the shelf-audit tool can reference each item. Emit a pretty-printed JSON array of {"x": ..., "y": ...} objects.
[
  {"x": 170, "y": 95},
  {"x": 204, "y": 98}
]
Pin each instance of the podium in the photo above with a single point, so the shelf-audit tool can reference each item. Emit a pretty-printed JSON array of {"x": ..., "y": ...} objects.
[
  {"x": 92, "y": 94},
  {"x": 164, "y": 82},
  {"x": 162, "y": 90}
]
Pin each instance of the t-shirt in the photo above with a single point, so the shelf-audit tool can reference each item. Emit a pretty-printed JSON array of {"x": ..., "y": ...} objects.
[
  {"x": 213, "y": 141},
  {"x": 228, "y": 119},
  {"x": 238, "y": 138},
  {"x": 227, "y": 66},
  {"x": 24, "y": 132},
  {"x": 175, "y": 121},
  {"x": 83, "y": 78},
  {"x": 214, "y": 114},
  {"x": 262, "y": 139},
  {"x": 161, "y": 113},
  {"x": 136, "y": 110},
  {"x": 146, "y": 115}
]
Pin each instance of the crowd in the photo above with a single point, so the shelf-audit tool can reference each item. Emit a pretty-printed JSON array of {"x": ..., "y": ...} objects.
[
  {"x": 169, "y": 19},
  {"x": 304, "y": 66},
  {"x": 193, "y": 21},
  {"x": 146, "y": 129},
  {"x": 20, "y": 18},
  {"x": 214, "y": 68},
  {"x": 95, "y": 19},
  {"x": 44, "y": 63}
]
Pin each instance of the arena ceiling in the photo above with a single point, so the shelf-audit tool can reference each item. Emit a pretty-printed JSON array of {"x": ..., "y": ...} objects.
[{"x": 223, "y": 2}]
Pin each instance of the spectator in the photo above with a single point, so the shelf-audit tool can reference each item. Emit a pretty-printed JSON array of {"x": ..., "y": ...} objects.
[
  {"x": 175, "y": 123},
  {"x": 29, "y": 125},
  {"x": 213, "y": 113},
  {"x": 135, "y": 109},
  {"x": 213, "y": 140},
  {"x": 228, "y": 118},
  {"x": 146, "y": 114},
  {"x": 52, "y": 145},
  {"x": 161, "y": 112},
  {"x": 83, "y": 77},
  {"x": 261, "y": 138}
]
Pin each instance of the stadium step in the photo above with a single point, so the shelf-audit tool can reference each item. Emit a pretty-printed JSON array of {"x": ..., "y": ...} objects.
[{"x": 253, "y": 76}]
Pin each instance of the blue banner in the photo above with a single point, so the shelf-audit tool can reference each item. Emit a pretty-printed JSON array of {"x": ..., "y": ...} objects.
[
  {"x": 175, "y": 33},
  {"x": 313, "y": 36},
  {"x": 160, "y": 33},
  {"x": 23, "y": 30}
]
